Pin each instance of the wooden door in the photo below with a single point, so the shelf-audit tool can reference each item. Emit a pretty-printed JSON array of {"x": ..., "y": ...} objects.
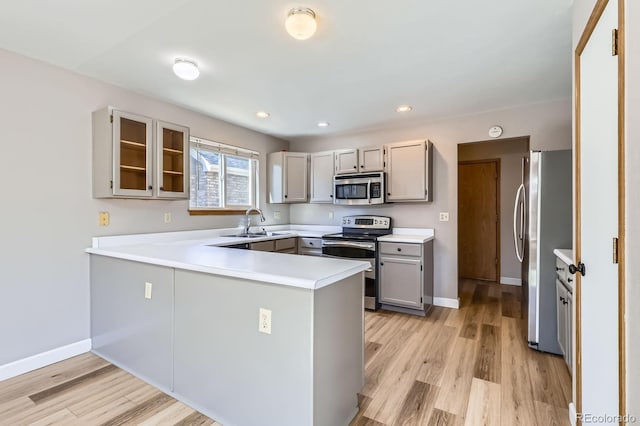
[
  {"x": 478, "y": 220},
  {"x": 599, "y": 291}
]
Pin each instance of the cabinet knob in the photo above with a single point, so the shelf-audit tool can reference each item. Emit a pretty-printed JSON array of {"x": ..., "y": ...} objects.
[
  {"x": 285, "y": 196},
  {"x": 162, "y": 188},
  {"x": 355, "y": 167},
  {"x": 399, "y": 249},
  {"x": 310, "y": 243},
  {"x": 570, "y": 280},
  {"x": 362, "y": 166},
  {"x": 381, "y": 263},
  {"x": 559, "y": 269},
  {"x": 388, "y": 193},
  {"x": 150, "y": 187},
  {"x": 331, "y": 196}
]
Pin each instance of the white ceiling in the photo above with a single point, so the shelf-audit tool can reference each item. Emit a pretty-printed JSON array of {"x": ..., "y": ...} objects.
[{"x": 442, "y": 57}]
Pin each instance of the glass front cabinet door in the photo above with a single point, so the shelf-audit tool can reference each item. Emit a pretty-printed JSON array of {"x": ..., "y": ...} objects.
[
  {"x": 139, "y": 157},
  {"x": 172, "y": 155},
  {"x": 132, "y": 152}
]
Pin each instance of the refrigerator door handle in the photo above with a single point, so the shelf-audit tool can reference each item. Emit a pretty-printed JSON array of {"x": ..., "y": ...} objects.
[{"x": 517, "y": 204}]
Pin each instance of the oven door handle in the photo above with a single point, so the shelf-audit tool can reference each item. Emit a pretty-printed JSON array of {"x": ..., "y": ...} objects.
[
  {"x": 346, "y": 258},
  {"x": 368, "y": 246}
]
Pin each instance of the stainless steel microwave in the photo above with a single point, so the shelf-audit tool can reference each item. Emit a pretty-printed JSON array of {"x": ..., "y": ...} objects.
[{"x": 359, "y": 189}]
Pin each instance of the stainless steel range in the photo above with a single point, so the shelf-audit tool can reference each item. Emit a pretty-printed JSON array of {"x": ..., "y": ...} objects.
[{"x": 359, "y": 241}]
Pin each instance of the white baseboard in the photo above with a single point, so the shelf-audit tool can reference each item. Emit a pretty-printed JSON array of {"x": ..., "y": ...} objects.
[
  {"x": 43, "y": 359},
  {"x": 510, "y": 281},
  {"x": 573, "y": 417},
  {"x": 446, "y": 302}
]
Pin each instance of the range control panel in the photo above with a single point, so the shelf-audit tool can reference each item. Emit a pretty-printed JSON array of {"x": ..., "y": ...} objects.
[{"x": 366, "y": 222}]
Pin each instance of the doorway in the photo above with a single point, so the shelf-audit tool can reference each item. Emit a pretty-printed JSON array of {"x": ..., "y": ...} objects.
[
  {"x": 478, "y": 219},
  {"x": 485, "y": 227}
]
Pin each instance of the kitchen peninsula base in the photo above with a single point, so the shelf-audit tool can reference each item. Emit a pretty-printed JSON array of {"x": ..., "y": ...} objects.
[{"x": 197, "y": 339}]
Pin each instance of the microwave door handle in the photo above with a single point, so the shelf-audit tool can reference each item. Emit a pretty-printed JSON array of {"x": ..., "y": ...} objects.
[{"x": 369, "y": 190}]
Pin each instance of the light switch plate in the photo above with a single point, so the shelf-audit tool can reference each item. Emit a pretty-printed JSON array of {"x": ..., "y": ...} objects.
[
  {"x": 148, "y": 287},
  {"x": 167, "y": 217},
  {"x": 444, "y": 216}
]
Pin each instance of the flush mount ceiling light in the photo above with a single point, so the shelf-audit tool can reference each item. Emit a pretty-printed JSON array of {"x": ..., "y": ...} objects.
[
  {"x": 323, "y": 124},
  {"x": 301, "y": 23},
  {"x": 185, "y": 69},
  {"x": 404, "y": 108},
  {"x": 262, "y": 114}
]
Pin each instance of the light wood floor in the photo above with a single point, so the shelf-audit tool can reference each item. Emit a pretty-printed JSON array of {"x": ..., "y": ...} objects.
[{"x": 467, "y": 366}]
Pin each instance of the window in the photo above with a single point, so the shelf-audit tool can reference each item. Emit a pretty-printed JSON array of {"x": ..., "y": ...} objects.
[{"x": 223, "y": 177}]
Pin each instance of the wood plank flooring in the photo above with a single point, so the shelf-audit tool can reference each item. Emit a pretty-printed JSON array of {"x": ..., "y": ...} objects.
[
  {"x": 454, "y": 367},
  {"x": 469, "y": 366}
]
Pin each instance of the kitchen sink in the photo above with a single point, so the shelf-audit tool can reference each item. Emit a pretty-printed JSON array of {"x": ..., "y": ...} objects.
[{"x": 257, "y": 235}]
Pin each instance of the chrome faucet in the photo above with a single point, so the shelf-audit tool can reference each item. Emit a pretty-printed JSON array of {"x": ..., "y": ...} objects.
[{"x": 248, "y": 218}]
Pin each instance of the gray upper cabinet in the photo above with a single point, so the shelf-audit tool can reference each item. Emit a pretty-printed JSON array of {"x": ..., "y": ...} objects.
[
  {"x": 346, "y": 161},
  {"x": 124, "y": 164},
  {"x": 371, "y": 159},
  {"x": 409, "y": 171},
  {"x": 172, "y": 158},
  {"x": 322, "y": 169},
  {"x": 288, "y": 172}
]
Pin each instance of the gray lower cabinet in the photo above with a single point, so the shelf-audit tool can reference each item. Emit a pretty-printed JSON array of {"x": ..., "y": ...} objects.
[
  {"x": 406, "y": 277},
  {"x": 564, "y": 311},
  {"x": 131, "y": 331}
]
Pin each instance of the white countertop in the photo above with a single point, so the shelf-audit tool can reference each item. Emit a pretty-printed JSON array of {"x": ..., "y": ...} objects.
[
  {"x": 566, "y": 255},
  {"x": 202, "y": 251},
  {"x": 409, "y": 235}
]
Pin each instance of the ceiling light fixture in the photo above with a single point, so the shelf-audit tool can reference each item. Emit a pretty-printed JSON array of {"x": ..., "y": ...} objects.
[
  {"x": 404, "y": 108},
  {"x": 262, "y": 114},
  {"x": 185, "y": 69},
  {"x": 301, "y": 23},
  {"x": 323, "y": 124}
]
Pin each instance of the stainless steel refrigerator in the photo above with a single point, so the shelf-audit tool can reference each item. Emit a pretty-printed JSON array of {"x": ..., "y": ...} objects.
[{"x": 543, "y": 221}]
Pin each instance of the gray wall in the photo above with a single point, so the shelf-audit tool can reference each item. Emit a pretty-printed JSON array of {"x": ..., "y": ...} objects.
[
  {"x": 548, "y": 124},
  {"x": 510, "y": 153},
  {"x": 50, "y": 216}
]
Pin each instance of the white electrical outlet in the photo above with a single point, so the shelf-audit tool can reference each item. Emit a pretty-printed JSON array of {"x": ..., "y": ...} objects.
[
  {"x": 147, "y": 290},
  {"x": 331, "y": 215},
  {"x": 444, "y": 216},
  {"x": 167, "y": 218},
  {"x": 276, "y": 215},
  {"x": 264, "y": 325}
]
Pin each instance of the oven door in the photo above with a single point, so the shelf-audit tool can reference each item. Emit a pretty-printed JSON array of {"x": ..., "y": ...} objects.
[{"x": 356, "y": 250}]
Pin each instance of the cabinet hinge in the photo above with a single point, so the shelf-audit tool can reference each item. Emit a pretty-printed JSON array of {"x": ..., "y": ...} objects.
[
  {"x": 615, "y": 251},
  {"x": 111, "y": 118},
  {"x": 421, "y": 267},
  {"x": 111, "y": 184},
  {"x": 421, "y": 300},
  {"x": 384, "y": 164},
  {"x": 614, "y": 42}
]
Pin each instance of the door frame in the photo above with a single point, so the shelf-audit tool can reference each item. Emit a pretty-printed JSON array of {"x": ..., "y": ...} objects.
[
  {"x": 582, "y": 43},
  {"x": 499, "y": 221}
]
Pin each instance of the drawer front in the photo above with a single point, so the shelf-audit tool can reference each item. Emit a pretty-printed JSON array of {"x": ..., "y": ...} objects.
[
  {"x": 562, "y": 270},
  {"x": 285, "y": 244},
  {"x": 401, "y": 249},
  {"x": 309, "y": 252},
  {"x": 262, "y": 246},
  {"x": 310, "y": 242}
]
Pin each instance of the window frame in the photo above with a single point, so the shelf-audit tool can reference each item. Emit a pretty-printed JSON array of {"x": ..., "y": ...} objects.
[{"x": 225, "y": 150}]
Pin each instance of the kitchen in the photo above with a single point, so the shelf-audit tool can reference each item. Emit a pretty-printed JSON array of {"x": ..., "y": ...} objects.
[{"x": 49, "y": 111}]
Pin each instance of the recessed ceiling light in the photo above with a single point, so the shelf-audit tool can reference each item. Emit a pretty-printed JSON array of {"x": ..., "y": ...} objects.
[
  {"x": 262, "y": 114},
  {"x": 404, "y": 108},
  {"x": 301, "y": 23},
  {"x": 323, "y": 124},
  {"x": 185, "y": 69}
]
